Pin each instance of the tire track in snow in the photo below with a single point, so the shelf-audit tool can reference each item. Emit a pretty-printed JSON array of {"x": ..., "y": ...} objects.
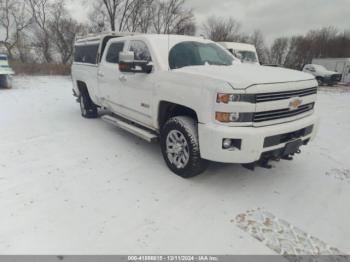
[{"x": 284, "y": 238}]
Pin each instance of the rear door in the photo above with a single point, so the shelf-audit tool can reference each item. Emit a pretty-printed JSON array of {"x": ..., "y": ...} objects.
[{"x": 108, "y": 76}]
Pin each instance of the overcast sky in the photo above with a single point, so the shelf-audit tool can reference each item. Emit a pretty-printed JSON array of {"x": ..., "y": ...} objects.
[{"x": 273, "y": 17}]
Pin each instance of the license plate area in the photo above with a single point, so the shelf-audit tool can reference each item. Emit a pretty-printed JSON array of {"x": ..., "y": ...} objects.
[{"x": 292, "y": 147}]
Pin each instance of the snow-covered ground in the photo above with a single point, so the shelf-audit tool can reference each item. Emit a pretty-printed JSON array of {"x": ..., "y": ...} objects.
[{"x": 72, "y": 186}]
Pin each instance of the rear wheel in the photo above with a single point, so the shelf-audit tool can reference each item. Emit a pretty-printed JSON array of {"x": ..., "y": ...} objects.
[
  {"x": 87, "y": 107},
  {"x": 180, "y": 147}
]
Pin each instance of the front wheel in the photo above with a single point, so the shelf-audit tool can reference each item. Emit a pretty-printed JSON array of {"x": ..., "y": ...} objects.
[
  {"x": 320, "y": 81},
  {"x": 180, "y": 147}
]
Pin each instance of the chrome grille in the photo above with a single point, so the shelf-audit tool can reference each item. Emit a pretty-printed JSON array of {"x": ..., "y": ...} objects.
[
  {"x": 268, "y": 97},
  {"x": 282, "y": 113}
]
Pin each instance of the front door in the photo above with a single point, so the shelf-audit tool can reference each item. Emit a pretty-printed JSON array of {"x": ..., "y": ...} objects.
[
  {"x": 137, "y": 89},
  {"x": 109, "y": 75}
]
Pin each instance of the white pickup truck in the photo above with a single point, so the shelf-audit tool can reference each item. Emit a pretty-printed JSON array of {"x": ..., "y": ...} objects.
[{"x": 192, "y": 95}]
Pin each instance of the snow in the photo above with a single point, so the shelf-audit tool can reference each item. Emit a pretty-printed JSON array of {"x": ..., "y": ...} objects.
[{"x": 74, "y": 186}]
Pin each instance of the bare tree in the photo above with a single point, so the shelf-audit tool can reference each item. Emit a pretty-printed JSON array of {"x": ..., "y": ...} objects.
[
  {"x": 159, "y": 16},
  {"x": 171, "y": 16},
  {"x": 221, "y": 30},
  {"x": 257, "y": 39},
  {"x": 279, "y": 51},
  {"x": 40, "y": 10},
  {"x": 137, "y": 16},
  {"x": 63, "y": 30},
  {"x": 24, "y": 49},
  {"x": 111, "y": 6},
  {"x": 13, "y": 21},
  {"x": 110, "y": 14},
  {"x": 322, "y": 43},
  {"x": 98, "y": 21}
]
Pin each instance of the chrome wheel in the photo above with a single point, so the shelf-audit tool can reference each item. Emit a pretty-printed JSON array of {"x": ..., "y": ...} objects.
[{"x": 177, "y": 149}]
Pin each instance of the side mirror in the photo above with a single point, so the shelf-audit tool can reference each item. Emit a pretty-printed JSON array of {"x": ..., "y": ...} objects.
[{"x": 128, "y": 64}]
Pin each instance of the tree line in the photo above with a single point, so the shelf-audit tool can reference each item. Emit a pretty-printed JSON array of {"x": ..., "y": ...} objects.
[
  {"x": 44, "y": 30},
  {"x": 291, "y": 52}
]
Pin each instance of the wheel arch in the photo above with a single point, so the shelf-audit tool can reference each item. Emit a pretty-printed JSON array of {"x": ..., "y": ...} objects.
[
  {"x": 167, "y": 110},
  {"x": 82, "y": 87}
]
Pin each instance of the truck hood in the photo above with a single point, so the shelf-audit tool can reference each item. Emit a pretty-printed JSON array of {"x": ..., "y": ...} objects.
[{"x": 241, "y": 76}]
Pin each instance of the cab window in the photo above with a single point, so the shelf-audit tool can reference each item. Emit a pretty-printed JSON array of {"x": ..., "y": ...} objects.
[
  {"x": 140, "y": 50},
  {"x": 113, "y": 52},
  {"x": 86, "y": 54}
]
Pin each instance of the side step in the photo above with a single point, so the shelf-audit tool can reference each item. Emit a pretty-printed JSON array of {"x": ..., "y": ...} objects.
[{"x": 145, "y": 134}]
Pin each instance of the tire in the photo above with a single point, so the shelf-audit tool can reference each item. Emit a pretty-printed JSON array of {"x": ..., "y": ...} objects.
[
  {"x": 87, "y": 107},
  {"x": 5, "y": 82},
  {"x": 320, "y": 81},
  {"x": 180, "y": 147},
  {"x": 8, "y": 82}
]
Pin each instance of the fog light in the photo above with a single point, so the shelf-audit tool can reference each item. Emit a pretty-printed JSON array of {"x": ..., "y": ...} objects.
[
  {"x": 226, "y": 143},
  {"x": 231, "y": 144}
]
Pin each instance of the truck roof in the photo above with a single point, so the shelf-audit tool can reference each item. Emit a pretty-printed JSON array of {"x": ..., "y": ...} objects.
[
  {"x": 99, "y": 36},
  {"x": 331, "y": 59},
  {"x": 238, "y": 46}
]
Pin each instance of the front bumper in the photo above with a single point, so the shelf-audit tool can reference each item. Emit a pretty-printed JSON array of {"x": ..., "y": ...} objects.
[
  {"x": 332, "y": 80},
  {"x": 253, "y": 140}
]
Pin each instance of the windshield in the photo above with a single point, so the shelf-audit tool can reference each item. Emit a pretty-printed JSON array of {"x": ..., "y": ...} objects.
[
  {"x": 3, "y": 58},
  {"x": 246, "y": 56},
  {"x": 320, "y": 68},
  {"x": 196, "y": 54}
]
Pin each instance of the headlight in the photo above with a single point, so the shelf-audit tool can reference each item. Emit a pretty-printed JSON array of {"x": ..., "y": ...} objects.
[
  {"x": 233, "y": 117},
  {"x": 229, "y": 98}
]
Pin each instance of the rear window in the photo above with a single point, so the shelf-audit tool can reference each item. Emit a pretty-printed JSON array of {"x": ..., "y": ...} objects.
[{"x": 86, "y": 54}]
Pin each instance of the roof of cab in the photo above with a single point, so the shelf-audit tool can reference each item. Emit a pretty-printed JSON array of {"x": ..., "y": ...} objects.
[
  {"x": 99, "y": 36},
  {"x": 166, "y": 37}
]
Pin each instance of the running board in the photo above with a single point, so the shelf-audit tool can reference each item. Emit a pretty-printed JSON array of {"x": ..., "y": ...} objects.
[{"x": 145, "y": 134}]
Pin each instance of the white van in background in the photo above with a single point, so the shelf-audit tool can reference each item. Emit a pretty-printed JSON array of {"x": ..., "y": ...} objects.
[
  {"x": 339, "y": 65},
  {"x": 245, "y": 52},
  {"x": 5, "y": 72}
]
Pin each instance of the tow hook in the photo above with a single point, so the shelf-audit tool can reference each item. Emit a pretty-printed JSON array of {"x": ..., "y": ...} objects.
[{"x": 265, "y": 162}]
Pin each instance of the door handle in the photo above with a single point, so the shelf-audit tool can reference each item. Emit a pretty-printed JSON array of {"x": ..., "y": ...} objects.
[
  {"x": 123, "y": 78},
  {"x": 100, "y": 75}
]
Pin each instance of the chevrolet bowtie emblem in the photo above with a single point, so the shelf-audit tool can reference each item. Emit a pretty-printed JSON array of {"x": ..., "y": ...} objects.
[{"x": 294, "y": 104}]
